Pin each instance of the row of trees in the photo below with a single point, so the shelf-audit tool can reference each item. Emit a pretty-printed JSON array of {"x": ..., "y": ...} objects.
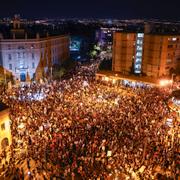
[{"x": 60, "y": 70}]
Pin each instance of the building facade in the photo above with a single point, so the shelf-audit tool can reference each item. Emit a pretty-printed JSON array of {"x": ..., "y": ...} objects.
[
  {"x": 149, "y": 54},
  {"x": 5, "y": 131},
  {"x": 161, "y": 54},
  {"x": 26, "y": 57},
  {"x": 123, "y": 52}
]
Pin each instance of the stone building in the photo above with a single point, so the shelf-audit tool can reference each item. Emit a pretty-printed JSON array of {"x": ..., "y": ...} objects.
[{"x": 29, "y": 55}]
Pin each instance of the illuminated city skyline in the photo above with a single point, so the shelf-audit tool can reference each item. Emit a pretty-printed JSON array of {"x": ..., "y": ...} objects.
[{"x": 92, "y": 9}]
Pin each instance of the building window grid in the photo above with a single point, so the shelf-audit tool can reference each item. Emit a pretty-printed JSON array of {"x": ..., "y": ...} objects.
[{"x": 139, "y": 50}]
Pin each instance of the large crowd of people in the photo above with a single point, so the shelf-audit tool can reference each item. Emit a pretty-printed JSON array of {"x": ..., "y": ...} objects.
[{"x": 82, "y": 128}]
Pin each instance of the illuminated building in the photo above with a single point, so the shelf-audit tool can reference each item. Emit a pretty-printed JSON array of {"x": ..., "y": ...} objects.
[
  {"x": 148, "y": 54},
  {"x": 161, "y": 54},
  {"x": 104, "y": 35},
  {"x": 123, "y": 52},
  {"x": 174, "y": 102},
  {"x": 29, "y": 55},
  {"x": 5, "y": 132}
]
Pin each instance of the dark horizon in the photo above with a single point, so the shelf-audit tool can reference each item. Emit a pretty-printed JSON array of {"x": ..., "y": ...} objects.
[{"x": 129, "y": 9}]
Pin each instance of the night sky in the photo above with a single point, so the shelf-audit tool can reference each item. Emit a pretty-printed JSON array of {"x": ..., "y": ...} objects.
[{"x": 127, "y": 9}]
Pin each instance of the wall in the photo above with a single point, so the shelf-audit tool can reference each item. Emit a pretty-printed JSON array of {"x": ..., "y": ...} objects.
[
  {"x": 24, "y": 55},
  {"x": 160, "y": 54},
  {"x": 123, "y": 51},
  {"x": 5, "y": 131}
]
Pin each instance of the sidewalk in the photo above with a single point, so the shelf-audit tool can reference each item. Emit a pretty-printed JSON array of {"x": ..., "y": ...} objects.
[{"x": 117, "y": 75}]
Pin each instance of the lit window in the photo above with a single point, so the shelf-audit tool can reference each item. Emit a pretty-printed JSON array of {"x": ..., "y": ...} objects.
[
  {"x": 139, "y": 54},
  {"x": 139, "y": 48},
  {"x": 174, "y": 39},
  {"x": 137, "y": 66},
  {"x": 140, "y": 35},
  {"x": 10, "y": 66},
  {"x": 137, "y": 71},
  {"x": 139, "y": 41},
  {"x": 9, "y": 56},
  {"x": 32, "y": 55},
  {"x": 33, "y": 65},
  {"x": 138, "y": 60}
]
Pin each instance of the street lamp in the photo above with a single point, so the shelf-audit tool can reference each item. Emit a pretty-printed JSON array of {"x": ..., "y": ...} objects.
[
  {"x": 165, "y": 82},
  {"x": 172, "y": 79}
]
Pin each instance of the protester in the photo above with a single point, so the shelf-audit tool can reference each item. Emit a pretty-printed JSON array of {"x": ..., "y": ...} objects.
[{"x": 80, "y": 128}]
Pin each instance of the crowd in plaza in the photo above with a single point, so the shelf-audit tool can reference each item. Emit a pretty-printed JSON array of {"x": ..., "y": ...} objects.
[{"x": 82, "y": 128}]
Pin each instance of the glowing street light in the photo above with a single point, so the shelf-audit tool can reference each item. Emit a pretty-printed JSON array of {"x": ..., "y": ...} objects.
[
  {"x": 165, "y": 82},
  {"x": 114, "y": 81},
  {"x": 106, "y": 78}
]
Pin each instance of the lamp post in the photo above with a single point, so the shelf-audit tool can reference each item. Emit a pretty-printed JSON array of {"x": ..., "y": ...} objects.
[{"x": 172, "y": 79}]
